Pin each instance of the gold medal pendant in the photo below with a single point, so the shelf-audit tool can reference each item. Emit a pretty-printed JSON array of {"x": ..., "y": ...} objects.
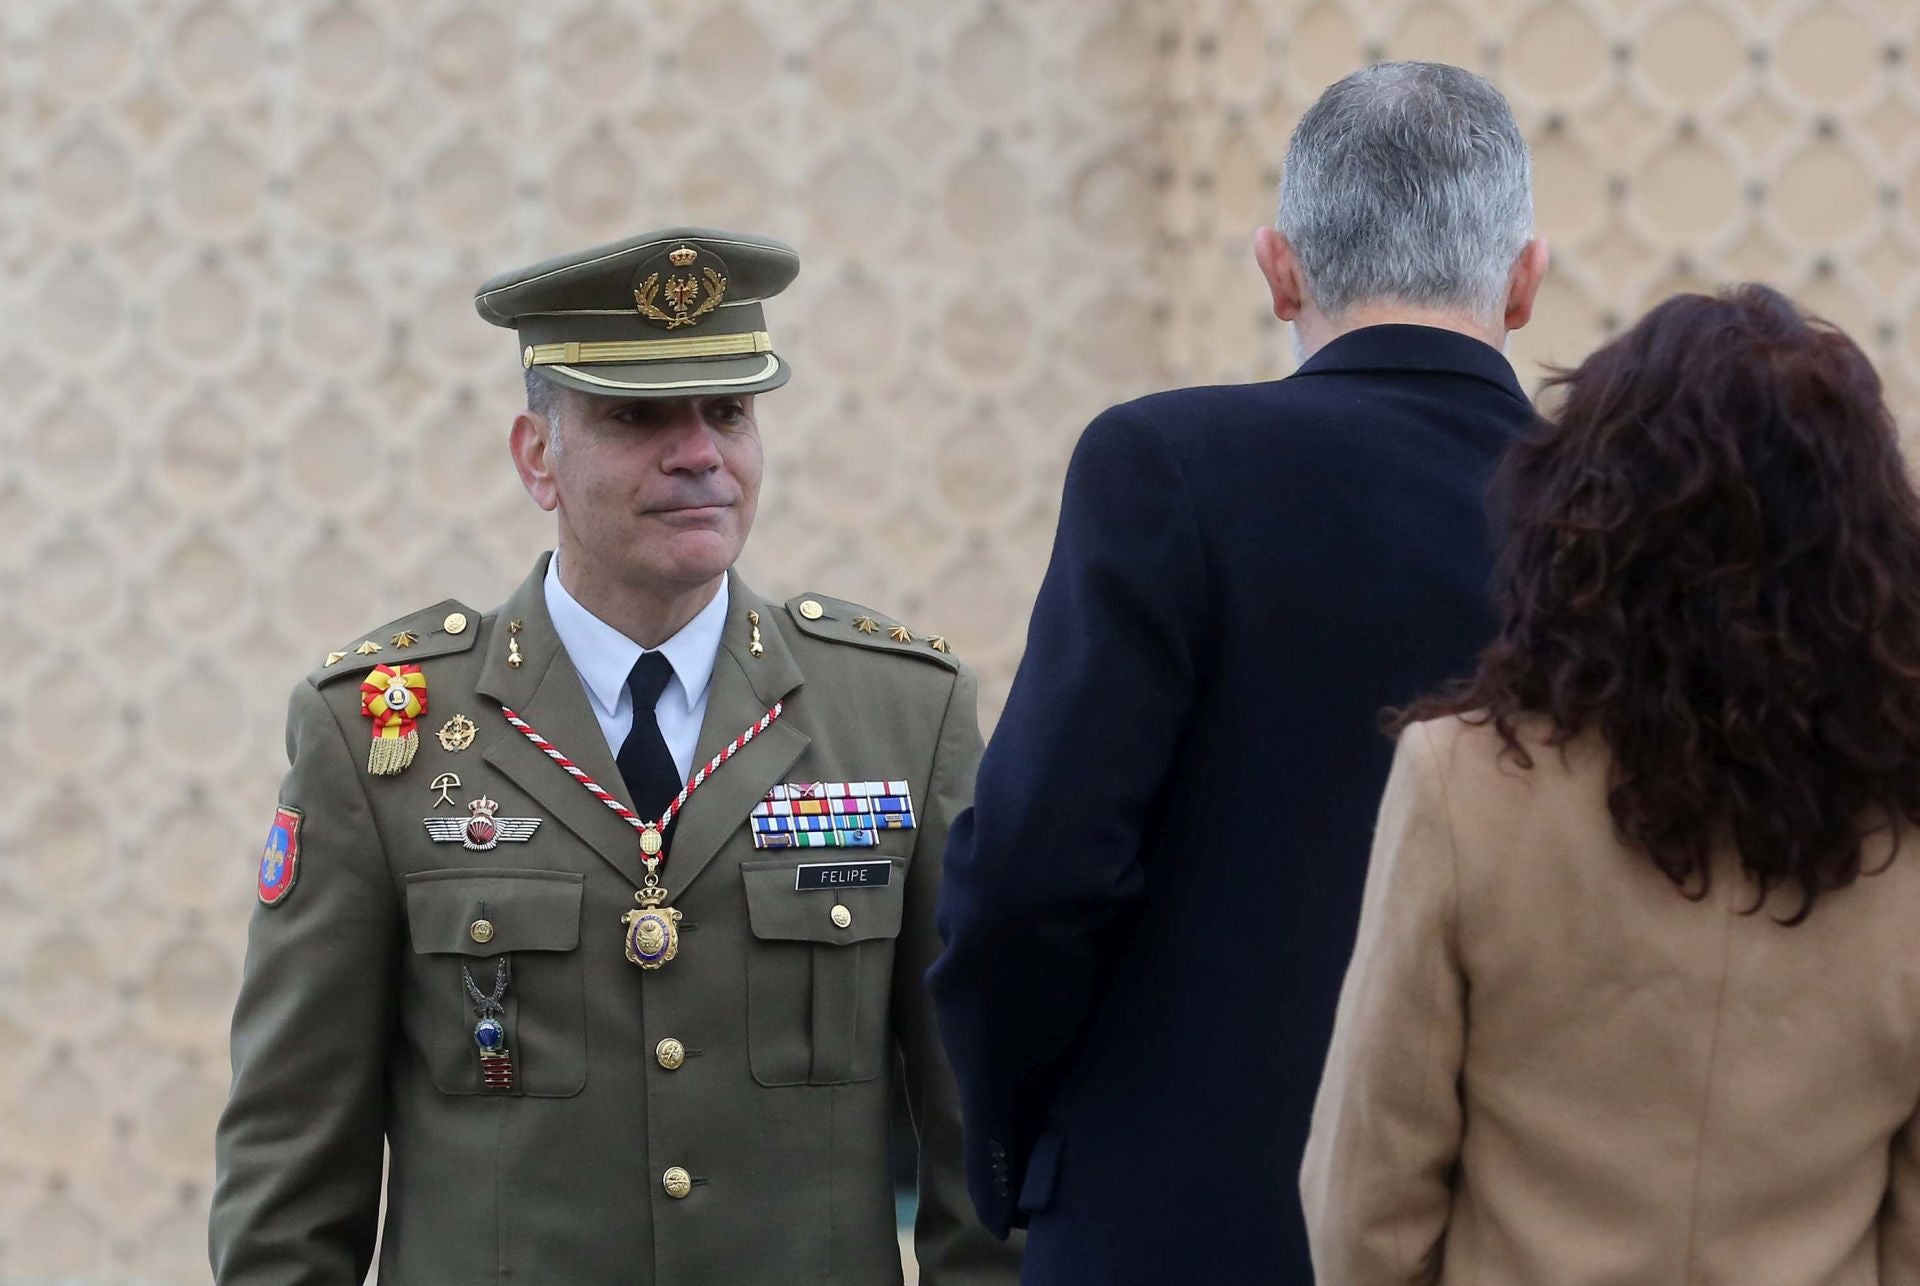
[{"x": 653, "y": 932}]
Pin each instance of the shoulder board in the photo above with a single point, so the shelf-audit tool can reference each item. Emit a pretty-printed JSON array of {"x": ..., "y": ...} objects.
[
  {"x": 448, "y": 626},
  {"x": 838, "y": 621}
]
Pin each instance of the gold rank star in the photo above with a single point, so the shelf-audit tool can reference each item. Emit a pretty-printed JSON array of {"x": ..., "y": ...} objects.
[
  {"x": 900, "y": 634},
  {"x": 368, "y": 648},
  {"x": 938, "y": 644},
  {"x": 404, "y": 639},
  {"x": 867, "y": 625}
]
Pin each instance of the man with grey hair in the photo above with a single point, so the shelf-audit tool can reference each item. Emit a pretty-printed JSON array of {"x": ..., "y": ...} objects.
[
  {"x": 1408, "y": 199},
  {"x": 1149, "y": 909}
]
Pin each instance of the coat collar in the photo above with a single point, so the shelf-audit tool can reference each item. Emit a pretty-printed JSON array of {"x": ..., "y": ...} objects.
[
  {"x": 1415, "y": 348},
  {"x": 545, "y": 690},
  {"x": 743, "y": 689}
]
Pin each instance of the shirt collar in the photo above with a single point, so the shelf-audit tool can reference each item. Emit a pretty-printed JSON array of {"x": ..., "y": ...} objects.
[{"x": 603, "y": 656}]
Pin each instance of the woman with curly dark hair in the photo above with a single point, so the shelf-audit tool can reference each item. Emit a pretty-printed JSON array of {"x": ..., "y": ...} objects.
[{"x": 1636, "y": 995}]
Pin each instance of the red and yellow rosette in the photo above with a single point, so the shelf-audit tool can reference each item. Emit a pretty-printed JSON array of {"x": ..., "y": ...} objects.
[{"x": 394, "y": 697}]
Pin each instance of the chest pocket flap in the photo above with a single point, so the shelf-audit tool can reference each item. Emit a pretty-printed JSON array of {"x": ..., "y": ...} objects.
[
  {"x": 779, "y": 912},
  {"x": 524, "y": 911}
]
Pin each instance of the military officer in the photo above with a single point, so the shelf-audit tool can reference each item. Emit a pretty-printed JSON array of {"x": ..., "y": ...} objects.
[{"x": 607, "y": 911}]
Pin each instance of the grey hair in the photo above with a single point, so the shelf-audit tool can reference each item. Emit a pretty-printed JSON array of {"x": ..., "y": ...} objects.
[
  {"x": 1408, "y": 182},
  {"x": 544, "y": 400}
]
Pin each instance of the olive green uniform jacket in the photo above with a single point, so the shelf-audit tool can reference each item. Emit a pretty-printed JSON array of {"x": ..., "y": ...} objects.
[{"x": 353, "y": 1025}]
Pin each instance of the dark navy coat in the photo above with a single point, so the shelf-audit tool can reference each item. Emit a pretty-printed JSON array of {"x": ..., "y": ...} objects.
[{"x": 1149, "y": 909}]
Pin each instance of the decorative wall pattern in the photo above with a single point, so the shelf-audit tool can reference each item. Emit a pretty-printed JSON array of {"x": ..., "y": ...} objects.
[{"x": 252, "y": 412}]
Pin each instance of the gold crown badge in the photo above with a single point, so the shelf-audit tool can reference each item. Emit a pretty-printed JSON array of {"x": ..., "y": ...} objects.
[{"x": 683, "y": 256}]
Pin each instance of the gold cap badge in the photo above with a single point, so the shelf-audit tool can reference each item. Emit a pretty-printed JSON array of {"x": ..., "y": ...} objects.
[{"x": 680, "y": 287}]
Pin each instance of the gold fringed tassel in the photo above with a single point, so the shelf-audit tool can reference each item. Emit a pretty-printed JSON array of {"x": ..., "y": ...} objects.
[{"x": 391, "y": 755}]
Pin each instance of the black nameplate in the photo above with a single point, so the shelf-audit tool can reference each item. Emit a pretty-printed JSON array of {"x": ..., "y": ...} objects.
[{"x": 842, "y": 875}]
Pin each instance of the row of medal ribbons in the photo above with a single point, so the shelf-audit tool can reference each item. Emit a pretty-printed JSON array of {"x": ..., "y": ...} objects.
[
  {"x": 831, "y": 814},
  {"x": 790, "y": 791}
]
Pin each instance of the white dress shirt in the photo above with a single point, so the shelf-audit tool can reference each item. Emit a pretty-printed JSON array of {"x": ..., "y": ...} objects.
[{"x": 603, "y": 657}]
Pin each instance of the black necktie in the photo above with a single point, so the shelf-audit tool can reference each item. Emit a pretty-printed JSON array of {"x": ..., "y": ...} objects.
[{"x": 645, "y": 762}]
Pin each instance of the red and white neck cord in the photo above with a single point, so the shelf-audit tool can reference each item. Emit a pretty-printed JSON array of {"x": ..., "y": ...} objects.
[{"x": 626, "y": 814}]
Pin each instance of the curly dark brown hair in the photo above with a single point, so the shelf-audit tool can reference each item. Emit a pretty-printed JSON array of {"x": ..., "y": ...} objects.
[{"x": 1713, "y": 557}]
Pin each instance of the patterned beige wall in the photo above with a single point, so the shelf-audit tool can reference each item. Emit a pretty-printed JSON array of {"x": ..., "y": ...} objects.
[{"x": 251, "y": 412}]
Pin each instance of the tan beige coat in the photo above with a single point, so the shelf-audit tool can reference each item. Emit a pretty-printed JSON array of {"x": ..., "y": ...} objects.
[
  {"x": 752, "y": 1154},
  {"x": 1550, "y": 1069}
]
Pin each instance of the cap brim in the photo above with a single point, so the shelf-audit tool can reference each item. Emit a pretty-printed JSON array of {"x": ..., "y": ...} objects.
[{"x": 694, "y": 377}]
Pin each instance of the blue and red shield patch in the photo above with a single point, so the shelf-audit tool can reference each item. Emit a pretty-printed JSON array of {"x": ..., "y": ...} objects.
[{"x": 280, "y": 860}]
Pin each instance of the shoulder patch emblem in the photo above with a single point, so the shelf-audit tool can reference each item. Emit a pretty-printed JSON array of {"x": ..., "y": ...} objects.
[{"x": 280, "y": 859}]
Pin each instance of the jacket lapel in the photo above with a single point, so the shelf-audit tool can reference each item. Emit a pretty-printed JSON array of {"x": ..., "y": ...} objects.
[
  {"x": 743, "y": 689},
  {"x": 546, "y": 692}
]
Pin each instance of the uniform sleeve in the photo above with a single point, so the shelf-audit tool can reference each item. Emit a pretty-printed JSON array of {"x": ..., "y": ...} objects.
[
  {"x": 1045, "y": 873},
  {"x": 1900, "y": 1212},
  {"x": 1377, "y": 1180},
  {"x": 298, "y": 1150},
  {"x": 950, "y": 1245}
]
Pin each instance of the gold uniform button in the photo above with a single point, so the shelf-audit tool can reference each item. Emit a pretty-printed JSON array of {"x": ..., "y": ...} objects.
[
  {"x": 811, "y": 610},
  {"x": 481, "y": 931},
  {"x": 677, "y": 1182},
  {"x": 456, "y": 623},
  {"x": 670, "y": 1053},
  {"x": 841, "y": 916}
]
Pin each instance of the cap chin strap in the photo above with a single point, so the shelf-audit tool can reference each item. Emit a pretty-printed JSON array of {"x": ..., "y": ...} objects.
[{"x": 607, "y": 352}]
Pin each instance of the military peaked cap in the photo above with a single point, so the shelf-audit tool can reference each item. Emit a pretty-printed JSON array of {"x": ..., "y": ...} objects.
[{"x": 674, "y": 313}]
